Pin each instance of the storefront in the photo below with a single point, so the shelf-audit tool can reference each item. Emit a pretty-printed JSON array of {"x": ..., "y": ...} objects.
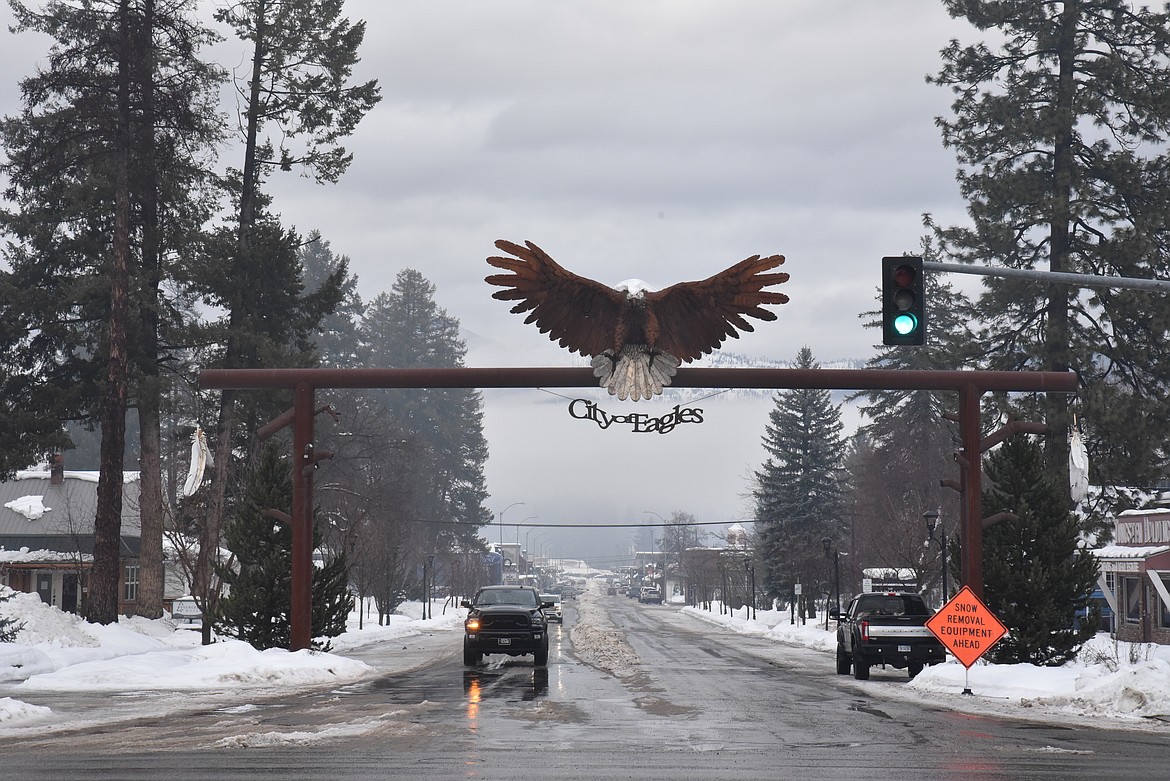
[{"x": 1135, "y": 576}]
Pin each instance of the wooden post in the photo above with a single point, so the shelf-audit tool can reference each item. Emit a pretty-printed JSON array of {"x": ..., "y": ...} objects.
[
  {"x": 301, "y": 609},
  {"x": 970, "y": 465}
]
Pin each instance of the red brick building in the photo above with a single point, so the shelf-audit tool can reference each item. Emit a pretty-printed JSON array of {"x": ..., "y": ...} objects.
[{"x": 1135, "y": 576}]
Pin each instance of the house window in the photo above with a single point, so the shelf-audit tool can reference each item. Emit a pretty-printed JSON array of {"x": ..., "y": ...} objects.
[
  {"x": 1164, "y": 612},
  {"x": 1131, "y": 595},
  {"x": 130, "y": 590}
]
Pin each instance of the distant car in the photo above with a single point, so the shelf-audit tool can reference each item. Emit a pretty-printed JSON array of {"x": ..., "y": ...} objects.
[
  {"x": 634, "y": 592},
  {"x": 650, "y": 595},
  {"x": 506, "y": 620},
  {"x": 553, "y": 613},
  {"x": 611, "y": 591},
  {"x": 569, "y": 592}
]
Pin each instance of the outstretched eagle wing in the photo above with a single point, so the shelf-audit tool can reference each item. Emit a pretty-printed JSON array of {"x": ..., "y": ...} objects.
[
  {"x": 694, "y": 318},
  {"x": 576, "y": 312}
]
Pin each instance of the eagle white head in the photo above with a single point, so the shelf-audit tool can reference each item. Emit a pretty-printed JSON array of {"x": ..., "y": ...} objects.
[{"x": 634, "y": 288}]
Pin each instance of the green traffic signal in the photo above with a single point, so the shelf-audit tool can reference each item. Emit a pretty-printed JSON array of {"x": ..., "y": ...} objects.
[
  {"x": 903, "y": 301},
  {"x": 904, "y": 324}
]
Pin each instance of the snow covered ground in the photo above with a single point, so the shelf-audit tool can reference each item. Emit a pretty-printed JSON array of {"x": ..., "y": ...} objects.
[
  {"x": 1129, "y": 684},
  {"x": 1117, "y": 683}
]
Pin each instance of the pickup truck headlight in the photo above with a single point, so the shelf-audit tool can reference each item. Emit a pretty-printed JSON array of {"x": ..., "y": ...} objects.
[
  {"x": 537, "y": 618},
  {"x": 471, "y": 624}
]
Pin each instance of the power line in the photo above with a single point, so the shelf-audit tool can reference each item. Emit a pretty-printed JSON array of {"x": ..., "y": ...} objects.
[{"x": 493, "y": 524}]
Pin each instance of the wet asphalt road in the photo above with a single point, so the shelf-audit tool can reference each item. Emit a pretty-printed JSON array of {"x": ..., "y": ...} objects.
[{"x": 699, "y": 705}]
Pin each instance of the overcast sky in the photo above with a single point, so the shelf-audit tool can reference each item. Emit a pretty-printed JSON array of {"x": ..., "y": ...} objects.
[{"x": 663, "y": 140}]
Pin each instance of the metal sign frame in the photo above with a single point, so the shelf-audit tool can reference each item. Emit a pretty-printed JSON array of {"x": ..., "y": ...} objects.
[{"x": 970, "y": 385}]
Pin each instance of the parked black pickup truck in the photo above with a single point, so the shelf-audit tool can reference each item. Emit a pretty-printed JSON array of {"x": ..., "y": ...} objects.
[{"x": 887, "y": 629}]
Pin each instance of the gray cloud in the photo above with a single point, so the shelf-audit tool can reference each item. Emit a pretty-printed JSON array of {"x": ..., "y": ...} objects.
[{"x": 658, "y": 139}]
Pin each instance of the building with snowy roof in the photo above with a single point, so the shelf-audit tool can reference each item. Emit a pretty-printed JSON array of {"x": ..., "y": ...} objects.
[
  {"x": 1135, "y": 576},
  {"x": 47, "y": 535}
]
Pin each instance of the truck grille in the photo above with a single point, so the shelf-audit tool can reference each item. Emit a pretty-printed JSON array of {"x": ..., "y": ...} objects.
[{"x": 497, "y": 622}]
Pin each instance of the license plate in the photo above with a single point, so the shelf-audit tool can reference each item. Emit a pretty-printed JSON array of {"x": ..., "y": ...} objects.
[
  {"x": 903, "y": 649},
  {"x": 508, "y": 641}
]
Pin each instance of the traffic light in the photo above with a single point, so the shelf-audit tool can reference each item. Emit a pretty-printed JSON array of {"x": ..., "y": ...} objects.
[{"x": 903, "y": 302}]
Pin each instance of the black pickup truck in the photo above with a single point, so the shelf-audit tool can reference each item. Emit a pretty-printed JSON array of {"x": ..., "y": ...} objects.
[
  {"x": 506, "y": 620},
  {"x": 886, "y": 628}
]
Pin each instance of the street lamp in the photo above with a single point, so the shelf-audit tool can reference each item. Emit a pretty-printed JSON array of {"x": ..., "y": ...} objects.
[
  {"x": 526, "y": 520},
  {"x": 653, "y": 545},
  {"x": 500, "y": 520},
  {"x": 747, "y": 564},
  {"x": 931, "y": 518},
  {"x": 836, "y": 556},
  {"x": 527, "y": 547}
]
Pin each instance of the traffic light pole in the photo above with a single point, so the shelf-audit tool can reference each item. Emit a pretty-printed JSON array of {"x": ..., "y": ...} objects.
[
  {"x": 1062, "y": 277},
  {"x": 970, "y": 385},
  {"x": 971, "y": 470}
]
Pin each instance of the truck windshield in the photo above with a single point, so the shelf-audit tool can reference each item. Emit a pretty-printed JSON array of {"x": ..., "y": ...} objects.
[
  {"x": 522, "y": 597},
  {"x": 893, "y": 605}
]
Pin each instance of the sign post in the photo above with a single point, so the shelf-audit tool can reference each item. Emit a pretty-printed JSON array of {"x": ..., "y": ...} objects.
[{"x": 967, "y": 628}]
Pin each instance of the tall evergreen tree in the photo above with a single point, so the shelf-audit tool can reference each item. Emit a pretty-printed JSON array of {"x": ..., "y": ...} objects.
[
  {"x": 338, "y": 342},
  {"x": 105, "y": 572},
  {"x": 271, "y": 324},
  {"x": 1060, "y": 133},
  {"x": 798, "y": 490},
  {"x": 405, "y": 328},
  {"x": 124, "y": 100},
  {"x": 178, "y": 192},
  {"x": 1036, "y": 575},
  {"x": 298, "y": 89}
]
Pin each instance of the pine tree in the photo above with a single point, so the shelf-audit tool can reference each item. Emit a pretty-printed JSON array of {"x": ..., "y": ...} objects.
[
  {"x": 1060, "y": 133},
  {"x": 405, "y": 328},
  {"x": 337, "y": 341},
  {"x": 1036, "y": 576},
  {"x": 332, "y": 598},
  {"x": 798, "y": 490},
  {"x": 9, "y": 626},
  {"x": 256, "y": 607},
  {"x": 107, "y": 170},
  {"x": 259, "y": 576},
  {"x": 298, "y": 90}
]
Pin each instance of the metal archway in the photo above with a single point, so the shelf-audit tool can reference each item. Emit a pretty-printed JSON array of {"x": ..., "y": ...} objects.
[{"x": 970, "y": 385}]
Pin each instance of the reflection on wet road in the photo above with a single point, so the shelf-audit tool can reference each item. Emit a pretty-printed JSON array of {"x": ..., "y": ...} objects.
[{"x": 511, "y": 684}]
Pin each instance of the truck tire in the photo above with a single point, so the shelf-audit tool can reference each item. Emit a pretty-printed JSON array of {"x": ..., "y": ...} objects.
[
  {"x": 540, "y": 657},
  {"x": 471, "y": 657},
  {"x": 860, "y": 668},
  {"x": 914, "y": 668},
  {"x": 843, "y": 661}
]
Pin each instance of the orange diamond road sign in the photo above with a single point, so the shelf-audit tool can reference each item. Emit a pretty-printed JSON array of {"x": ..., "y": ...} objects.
[{"x": 966, "y": 627}]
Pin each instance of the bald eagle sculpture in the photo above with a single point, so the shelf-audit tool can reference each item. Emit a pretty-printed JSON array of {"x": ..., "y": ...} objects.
[{"x": 636, "y": 336}]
